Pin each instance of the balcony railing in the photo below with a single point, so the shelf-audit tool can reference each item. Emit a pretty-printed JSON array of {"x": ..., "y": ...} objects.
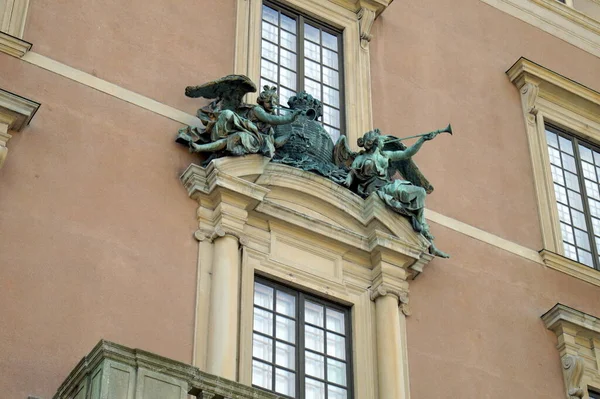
[{"x": 112, "y": 371}]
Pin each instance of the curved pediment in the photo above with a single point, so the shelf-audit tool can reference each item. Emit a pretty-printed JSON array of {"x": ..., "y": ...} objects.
[{"x": 307, "y": 201}]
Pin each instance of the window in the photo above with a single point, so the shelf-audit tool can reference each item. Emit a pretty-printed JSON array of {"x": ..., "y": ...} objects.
[
  {"x": 301, "y": 344},
  {"x": 298, "y": 53},
  {"x": 575, "y": 167},
  {"x": 594, "y": 395}
]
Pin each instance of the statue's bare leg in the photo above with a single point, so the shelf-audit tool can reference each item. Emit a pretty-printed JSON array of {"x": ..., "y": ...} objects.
[{"x": 210, "y": 147}]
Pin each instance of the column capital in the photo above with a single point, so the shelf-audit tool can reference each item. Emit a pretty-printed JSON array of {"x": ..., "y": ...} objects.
[{"x": 401, "y": 296}]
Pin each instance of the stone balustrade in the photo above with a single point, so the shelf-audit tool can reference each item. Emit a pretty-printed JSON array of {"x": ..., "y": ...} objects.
[{"x": 112, "y": 371}]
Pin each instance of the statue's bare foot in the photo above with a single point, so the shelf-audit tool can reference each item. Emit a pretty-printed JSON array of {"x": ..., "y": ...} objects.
[{"x": 436, "y": 252}]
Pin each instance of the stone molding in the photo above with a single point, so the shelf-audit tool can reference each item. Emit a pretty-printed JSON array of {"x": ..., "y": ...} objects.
[
  {"x": 14, "y": 46},
  {"x": 15, "y": 113},
  {"x": 548, "y": 97},
  {"x": 578, "y": 345},
  {"x": 555, "y": 18},
  {"x": 13, "y": 14}
]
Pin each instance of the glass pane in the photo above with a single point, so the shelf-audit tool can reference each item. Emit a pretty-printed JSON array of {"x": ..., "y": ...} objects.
[
  {"x": 567, "y": 233},
  {"x": 284, "y": 95},
  {"x": 331, "y": 116},
  {"x": 336, "y": 372},
  {"x": 336, "y": 393},
  {"x": 270, "y": 32},
  {"x": 571, "y": 180},
  {"x": 335, "y": 321},
  {"x": 552, "y": 139},
  {"x": 314, "y": 389},
  {"x": 313, "y": 313},
  {"x": 263, "y": 321},
  {"x": 554, "y": 156},
  {"x": 594, "y": 207},
  {"x": 596, "y": 226},
  {"x": 334, "y": 133},
  {"x": 268, "y": 70},
  {"x": 288, "y": 59},
  {"x": 336, "y": 346},
  {"x": 563, "y": 213},
  {"x": 596, "y": 158},
  {"x": 561, "y": 194},
  {"x": 314, "y": 339},
  {"x": 568, "y": 162},
  {"x": 286, "y": 329},
  {"x": 589, "y": 171},
  {"x": 288, "y": 23},
  {"x": 285, "y": 355},
  {"x": 314, "y": 365},
  {"x": 288, "y": 40},
  {"x": 591, "y": 189},
  {"x": 586, "y": 154},
  {"x": 287, "y": 78},
  {"x": 332, "y": 78},
  {"x": 262, "y": 348},
  {"x": 269, "y": 51},
  {"x": 570, "y": 251},
  {"x": 582, "y": 240},
  {"x": 330, "y": 41},
  {"x": 270, "y": 15},
  {"x": 286, "y": 304},
  {"x": 312, "y": 33},
  {"x": 312, "y": 69},
  {"x": 585, "y": 257},
  {"x": 557, "y": 175},
  {"x": 575, "y": 200},
  {"x": 331, "y": 96},
  {"x": 578, "y": 219},
  {"x": 330, "y": 59},
  {"x": 313, "y": 88},
  {"x": 565, "y": 145},
  {"x": 262, "y": 375},
  {"x": 312, "y": 51},
  {"x": 263, "y": 296},
  {"x": 285, "y": 382}
]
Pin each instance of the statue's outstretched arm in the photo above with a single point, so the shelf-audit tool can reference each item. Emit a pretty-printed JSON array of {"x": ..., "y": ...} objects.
[
  {"x": 410, "y": 151},
  {"x": 272, "y": 119}
]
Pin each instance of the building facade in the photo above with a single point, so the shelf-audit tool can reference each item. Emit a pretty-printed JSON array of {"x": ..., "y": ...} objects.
[{"x": 277, "y": 278}]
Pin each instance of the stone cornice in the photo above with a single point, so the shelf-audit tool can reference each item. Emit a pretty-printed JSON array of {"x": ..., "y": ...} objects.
[
  {"x": 570, "y": 267},
  {"x": 16, "y": 111},
  {"x": 14, "y": 46},
  {"x": 559, "y": 314},
  {"x": 378, "y": 6}
]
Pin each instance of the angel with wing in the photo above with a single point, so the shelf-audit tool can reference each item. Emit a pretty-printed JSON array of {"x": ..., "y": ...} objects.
[{"x": 373, "y": 169}]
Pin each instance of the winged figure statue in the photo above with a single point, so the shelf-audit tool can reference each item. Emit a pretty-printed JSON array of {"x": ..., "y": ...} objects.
[
  {"x": 232, "y": 127},
  {"x": 374, "y": 168}
]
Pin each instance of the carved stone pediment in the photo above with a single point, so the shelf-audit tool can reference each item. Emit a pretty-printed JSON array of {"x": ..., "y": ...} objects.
[{"x": 308, "y": 202}]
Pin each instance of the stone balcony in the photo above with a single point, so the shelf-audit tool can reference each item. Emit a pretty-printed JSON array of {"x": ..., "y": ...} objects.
[{"x": 112, "y": 371}]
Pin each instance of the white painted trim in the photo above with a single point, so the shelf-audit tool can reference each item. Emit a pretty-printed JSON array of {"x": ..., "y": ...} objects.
[
  {"x": 557, "y": 19},
  {"x": 14, "y": 46},
  {"x": 110, "y": 88}
]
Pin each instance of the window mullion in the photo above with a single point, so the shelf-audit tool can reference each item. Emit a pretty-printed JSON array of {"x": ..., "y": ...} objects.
[
  {"x": 300, "y": 376},
  {"x": 584, "y": 200},
  {"x": 300, "y": 55}
]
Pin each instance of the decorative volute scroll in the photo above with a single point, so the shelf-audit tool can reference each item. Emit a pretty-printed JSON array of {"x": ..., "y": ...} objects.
[
  {"x": 15, "y": 113},
  {"x": 578, "y": 336},
  {"x": 573, "y": 369},
  {"x": 366, "y": 17}
]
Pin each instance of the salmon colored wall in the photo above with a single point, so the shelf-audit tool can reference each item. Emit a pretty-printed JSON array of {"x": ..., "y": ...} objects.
[
  {"x": 440, "y": 61},
  {"x": 475, "y": 330},
  {"x": 153, "y": 47},
  {"x": 96, "y": 233}
]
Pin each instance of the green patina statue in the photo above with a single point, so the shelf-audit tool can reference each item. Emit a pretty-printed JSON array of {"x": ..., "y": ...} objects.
[
  {"x": 372, "y": 170},
  {"x": 297, "y": 138},
  {"x": 231, "y": 126}
]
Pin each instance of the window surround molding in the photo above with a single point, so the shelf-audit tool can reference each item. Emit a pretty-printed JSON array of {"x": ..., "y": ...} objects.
[
  {"x": 354, "y": 17},
  {"x": 257, "y": 218},
  {"x": 578, "y": 346},
  {"x": 555, "y": 18},
  {"x": 15, "y": 113},
  {"x": 13, "y": 14},
  {"x": 548, "y": 97}
]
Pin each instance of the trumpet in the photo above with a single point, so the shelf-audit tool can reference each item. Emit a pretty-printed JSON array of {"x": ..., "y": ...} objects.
[
  {"x": 447, "y": 129},
  {"x": 310, "y": 113}
]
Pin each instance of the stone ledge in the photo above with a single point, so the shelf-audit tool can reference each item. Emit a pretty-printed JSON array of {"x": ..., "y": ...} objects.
[
  {"x": 570, "y": 267},
  {"x": 16, "y": 111},
  {"x": 14, "y": 46}
]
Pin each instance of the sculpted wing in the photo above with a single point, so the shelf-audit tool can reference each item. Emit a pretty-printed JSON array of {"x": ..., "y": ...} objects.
[
  {"x": 343, "y": 156},
  {"x": 407, "y": 168}
]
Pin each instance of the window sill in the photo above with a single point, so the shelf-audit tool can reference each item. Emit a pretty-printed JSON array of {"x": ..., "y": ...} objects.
[
  {"x": 555, "y": 18},
  {"x": 570, "y": 267}
]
